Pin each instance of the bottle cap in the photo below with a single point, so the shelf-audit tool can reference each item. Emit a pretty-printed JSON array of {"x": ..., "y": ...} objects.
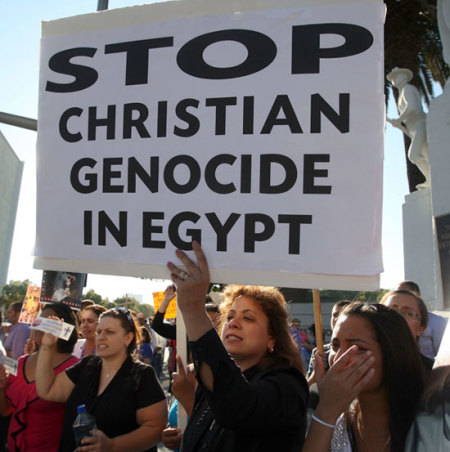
[{"x": 81, "y": 409}]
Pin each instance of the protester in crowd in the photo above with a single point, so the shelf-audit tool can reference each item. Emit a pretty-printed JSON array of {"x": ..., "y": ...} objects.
[
  {"x": 337, "y": 308},
  {"x": 213, "y": 312},
  {"x": 296, "y": 336},
  {"x": 414, "y": 311},
  {"x": 370, "y": 394},
  {"x": 158, "y": 325},
  {"x": 257, "y": 400},
  {"x": 88, "y": 325},
  {"x": 86, "y": 302},
  {"x": 430, "y": 339},
  {"x": 307, "y": 346},
  {"x": 36, "y": 424},
  {"x": 18, "y": 332},
  {"x": 2, "y": 332},
  {"x": 122, "y": 393},
  {"x": 431, "y": 428},
  {"x": 142, "y": 320},
  {"x": 145, "y": 349}
]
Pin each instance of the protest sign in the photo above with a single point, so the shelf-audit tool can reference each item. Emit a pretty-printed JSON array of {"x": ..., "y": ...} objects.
[
  {"x": 171, "y": 312},
  {"x": 31, "y": 305},
  {"x": 63, "y": 287},
  {"x": 257, "y": 132},
  {"x": 58, "y": 328},
  {"x": 11, "y": 365}
]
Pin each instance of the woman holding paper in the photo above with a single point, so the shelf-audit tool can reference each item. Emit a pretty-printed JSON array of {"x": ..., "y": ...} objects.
[
  {"x": 256, "y": 401},
  {"x": 36, "y": 424},
  {"x": 122, "y": 393}
]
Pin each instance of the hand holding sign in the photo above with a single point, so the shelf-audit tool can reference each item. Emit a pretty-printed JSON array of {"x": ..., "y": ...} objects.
[
  {"x": 54, "y": 328},
  {"x": 192, "y": 286}
]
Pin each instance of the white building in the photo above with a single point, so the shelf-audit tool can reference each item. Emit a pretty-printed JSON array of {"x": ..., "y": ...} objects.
[{"x": 10, "y": 178}]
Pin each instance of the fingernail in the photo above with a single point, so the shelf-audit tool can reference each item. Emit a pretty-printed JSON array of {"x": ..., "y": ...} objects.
[{"x": 178, "y": 251}]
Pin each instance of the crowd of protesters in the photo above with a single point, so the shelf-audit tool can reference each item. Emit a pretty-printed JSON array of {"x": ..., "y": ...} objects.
[{"x": 253, "y": 381}]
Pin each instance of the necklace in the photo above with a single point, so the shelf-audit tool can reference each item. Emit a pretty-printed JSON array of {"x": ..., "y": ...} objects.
[{"x": 110, "y": 373}]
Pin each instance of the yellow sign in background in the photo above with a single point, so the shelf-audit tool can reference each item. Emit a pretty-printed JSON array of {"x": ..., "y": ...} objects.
[{"x": 171, "y": 312}]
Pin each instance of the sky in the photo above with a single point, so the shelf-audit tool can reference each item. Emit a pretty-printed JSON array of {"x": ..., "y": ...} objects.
[{"x": 20, "y": 30}]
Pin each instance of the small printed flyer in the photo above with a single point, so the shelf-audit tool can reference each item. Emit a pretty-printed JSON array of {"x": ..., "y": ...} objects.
[{"x": 56, "y": 327}]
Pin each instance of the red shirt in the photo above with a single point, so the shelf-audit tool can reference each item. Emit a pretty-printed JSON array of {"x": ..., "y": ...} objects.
[{"x": 36, "y": 424}]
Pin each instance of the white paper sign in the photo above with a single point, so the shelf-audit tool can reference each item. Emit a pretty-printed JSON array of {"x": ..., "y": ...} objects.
[
  {"x": 59, "y": 329},
  {"x": 258, "y": 134},
  {"x": 10, "y": 365}
]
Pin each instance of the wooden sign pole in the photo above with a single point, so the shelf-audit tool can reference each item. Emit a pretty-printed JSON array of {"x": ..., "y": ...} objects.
[{"x": 318, "y": 320}]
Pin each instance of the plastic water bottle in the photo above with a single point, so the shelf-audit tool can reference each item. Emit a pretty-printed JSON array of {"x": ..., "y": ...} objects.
[{"x": 83, "y": 425}]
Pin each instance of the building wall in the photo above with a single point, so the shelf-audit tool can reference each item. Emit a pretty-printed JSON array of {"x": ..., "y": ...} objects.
[{"x": 10, "y": 178}]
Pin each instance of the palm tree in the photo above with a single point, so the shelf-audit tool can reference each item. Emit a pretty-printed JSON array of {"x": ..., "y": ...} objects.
[{"x": 412, "y": 41}]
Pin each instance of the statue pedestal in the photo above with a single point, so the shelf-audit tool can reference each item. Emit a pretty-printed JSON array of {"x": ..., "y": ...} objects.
[
  {"x": 438, "y": 131},
  {"x": 419, "y": 245}
]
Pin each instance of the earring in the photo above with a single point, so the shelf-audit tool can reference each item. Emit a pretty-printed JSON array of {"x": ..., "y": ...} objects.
[{"x": 271, "y": 349}]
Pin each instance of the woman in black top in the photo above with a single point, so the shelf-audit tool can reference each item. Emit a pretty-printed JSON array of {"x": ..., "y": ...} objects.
[
  {"x": 252, "y": 394},
  {"x": 122, "y": 393}
]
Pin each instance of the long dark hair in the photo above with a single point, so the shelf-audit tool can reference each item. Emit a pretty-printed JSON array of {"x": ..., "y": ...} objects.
[
  {"x": 403, "y": 372},
  {"x": 272, "y": 303},
  {"x": 65, "y": 313}
]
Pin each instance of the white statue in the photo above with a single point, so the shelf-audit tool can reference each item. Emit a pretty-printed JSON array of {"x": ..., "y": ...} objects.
[{"x": 411, "y": 120}]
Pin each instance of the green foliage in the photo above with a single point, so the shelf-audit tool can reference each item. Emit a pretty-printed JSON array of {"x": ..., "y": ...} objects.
[
  {"x": 134, "y": 305},
  {"x": 333, "y": 296},
  {"x": 12, "y": 292},
  {"x": 94, "y": 296}
]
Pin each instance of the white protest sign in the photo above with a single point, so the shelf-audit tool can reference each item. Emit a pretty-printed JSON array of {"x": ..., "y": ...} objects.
[
  {"x": 258, "y": 134},
  {"x": 11, "y": 365},
  {"x": 59, "y": 329}
]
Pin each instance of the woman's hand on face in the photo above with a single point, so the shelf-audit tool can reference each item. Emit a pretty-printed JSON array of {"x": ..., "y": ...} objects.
[
  {"x": 171, "y": 437},
  {"x": 192, "y": 284},
  {"x": 99, "y": 443},
  {"x": 3, "y": 377},
  {"x": 343, "y": 382}
]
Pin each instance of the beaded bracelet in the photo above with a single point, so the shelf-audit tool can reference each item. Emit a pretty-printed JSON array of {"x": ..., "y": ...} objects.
[{"x": 326, "y": 424}]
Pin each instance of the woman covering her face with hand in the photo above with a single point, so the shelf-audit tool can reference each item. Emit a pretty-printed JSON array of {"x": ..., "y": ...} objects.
[
  {"x": 122, "y": 393},
  {"x": 369, "y": 396},
  {"x": 252, "y": 394}
]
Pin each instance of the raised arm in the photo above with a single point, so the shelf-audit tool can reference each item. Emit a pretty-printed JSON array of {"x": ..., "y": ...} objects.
[
  {"x": 51, "y": 387},
  {"x": 192, "y": 286},
  {"x": 158, "y": 325}
]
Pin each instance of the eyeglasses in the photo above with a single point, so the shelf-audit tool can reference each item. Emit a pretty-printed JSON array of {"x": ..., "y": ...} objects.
[
  {"x": 127, "y": 313},
  {"x": 406, "y": 313}
]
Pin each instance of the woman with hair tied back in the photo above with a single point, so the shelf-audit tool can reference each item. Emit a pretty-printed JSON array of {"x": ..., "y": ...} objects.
[
  {"x": 36, "y": 424},
  {"x": 88, "y": 316},
  {"x": 122, "y": 393},
  {"x": 252, "y": 395},
  {"x": 370, "y": 394}
]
